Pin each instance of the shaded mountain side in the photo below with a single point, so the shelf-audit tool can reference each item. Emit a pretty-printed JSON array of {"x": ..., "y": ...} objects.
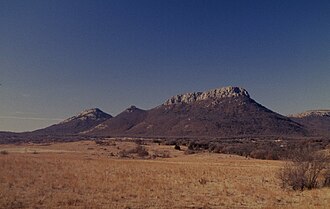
[
  {"x": 120, "y": 124},
  {"x": 220, "y": 112},
  {"x": 76, "y": 124},
  {"x": 7, "y": 137},
  {"x": 316, "y": 121},
  {"x": 7, "y": 133}
]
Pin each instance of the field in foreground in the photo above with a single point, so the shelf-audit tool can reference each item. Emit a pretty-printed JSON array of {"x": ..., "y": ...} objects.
[{"x": 86, "y": 175}]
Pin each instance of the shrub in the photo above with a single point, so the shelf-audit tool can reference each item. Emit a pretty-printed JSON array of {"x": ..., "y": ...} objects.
[
  {"x": 123, "y": 153},
  {"x": 4, "y": 152},
  {"x": 161, "y": 154},
  {"x": 189, "y": 152},
  {"x": 171, "y": 142},
  {"x": 202, "y": 181},
  {"x": 139, "y": 150},
  {"x": 105, "y": 143},
  {"x": 192, "y": 146},
  {"x": 259, "y": 154},
  {"x": 177, "y": 147},
  {"x": 139, "y": 142},
  {"x": 271, "y": 155},
  {"x": 215, "y": 147},
  {"x": 264, "y": 154},
  {"x": 157, "y": 141},
  {"x": 305, "y": 170},
  {"x": 327, "y": 178}
]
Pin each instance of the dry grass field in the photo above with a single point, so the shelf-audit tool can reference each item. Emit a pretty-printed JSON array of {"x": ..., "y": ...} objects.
[{"x": 87, "y": 175}]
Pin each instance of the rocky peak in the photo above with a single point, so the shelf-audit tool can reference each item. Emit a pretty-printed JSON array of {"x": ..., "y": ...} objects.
[
  {"x": 131, "y": 109},
  {"x": 309, "y": 113},
  {"x": 214, "y": 94},
  {"x": 89, "y": 114}
]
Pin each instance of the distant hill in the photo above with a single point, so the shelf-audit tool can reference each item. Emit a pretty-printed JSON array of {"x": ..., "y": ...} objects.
[
  {"x": 221, "y": 112},
  {"x": 317, "y": 121},
  {"x": 76, "y": 124}
]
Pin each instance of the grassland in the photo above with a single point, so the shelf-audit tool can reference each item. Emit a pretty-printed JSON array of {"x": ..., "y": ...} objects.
[{"x": 86, "y": 175}]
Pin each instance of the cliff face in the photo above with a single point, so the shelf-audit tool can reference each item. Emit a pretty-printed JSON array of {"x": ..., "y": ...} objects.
[{"x": 215, "y": 94}]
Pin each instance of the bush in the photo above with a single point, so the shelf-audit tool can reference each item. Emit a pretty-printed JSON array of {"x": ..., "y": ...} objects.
[
  {"x": 105, "y": 143},
  {"x": 259, "y": 154},
  {"x": 123, "y": 153},
  {"x": 189, "y": 152},
  {"x": 161, "y": 154},
  {"x": 171, "y": 142},
  {"x": 177, "y": 147},
  {"x": 305, "y": 170},
  {"x": 139, "y": 150},
  {"x": 4, "y": 152},
  {"x": 139, "y": 142},
  {"x": 215, "y": 147},
  {"x": 264, "y": 154},
  {"x": 327, "y": 178},
  {"x": 157, "y": 141}
]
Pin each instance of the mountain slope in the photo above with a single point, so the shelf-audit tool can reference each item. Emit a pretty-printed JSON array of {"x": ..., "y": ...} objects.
[
  {"x": 317, "y": 121},
  {"x": 219, "y": 112},
  {"x": 76, "y": 124},
  {"x": 120, "y": 124}
]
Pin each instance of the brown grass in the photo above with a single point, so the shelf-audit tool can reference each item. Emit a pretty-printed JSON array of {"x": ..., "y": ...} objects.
[{"x": 84, "y": 178}]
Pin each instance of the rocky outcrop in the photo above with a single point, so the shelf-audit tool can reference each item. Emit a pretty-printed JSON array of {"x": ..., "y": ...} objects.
[
  {"x": 132, "y": 109},
  {"x": 214, "y": 94},
  {"x": 89, "y": 114},
  {"x": 312, "y": 113}
]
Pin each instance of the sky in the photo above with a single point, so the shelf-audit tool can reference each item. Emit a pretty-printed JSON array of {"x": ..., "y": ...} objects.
[{"x": 60, "y": 57}]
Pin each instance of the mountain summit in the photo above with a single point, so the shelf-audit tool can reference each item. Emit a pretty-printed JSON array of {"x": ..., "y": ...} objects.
[
  {"x": 93, "y": 114},
  {"x": 215, "y": 94}
]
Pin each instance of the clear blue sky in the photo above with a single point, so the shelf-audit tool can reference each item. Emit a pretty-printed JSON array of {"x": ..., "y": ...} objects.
[{"x": 60, "y": 57}]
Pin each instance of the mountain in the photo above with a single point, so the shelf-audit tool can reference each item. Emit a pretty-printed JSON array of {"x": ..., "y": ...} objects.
[
  {"x": 120, "y": 124},
  {"x": 317, "y": 121},
  {"x": 221, "y": 112},
  {"x": 8, "y": 137},
  {"x": 76, "y": 124}
]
